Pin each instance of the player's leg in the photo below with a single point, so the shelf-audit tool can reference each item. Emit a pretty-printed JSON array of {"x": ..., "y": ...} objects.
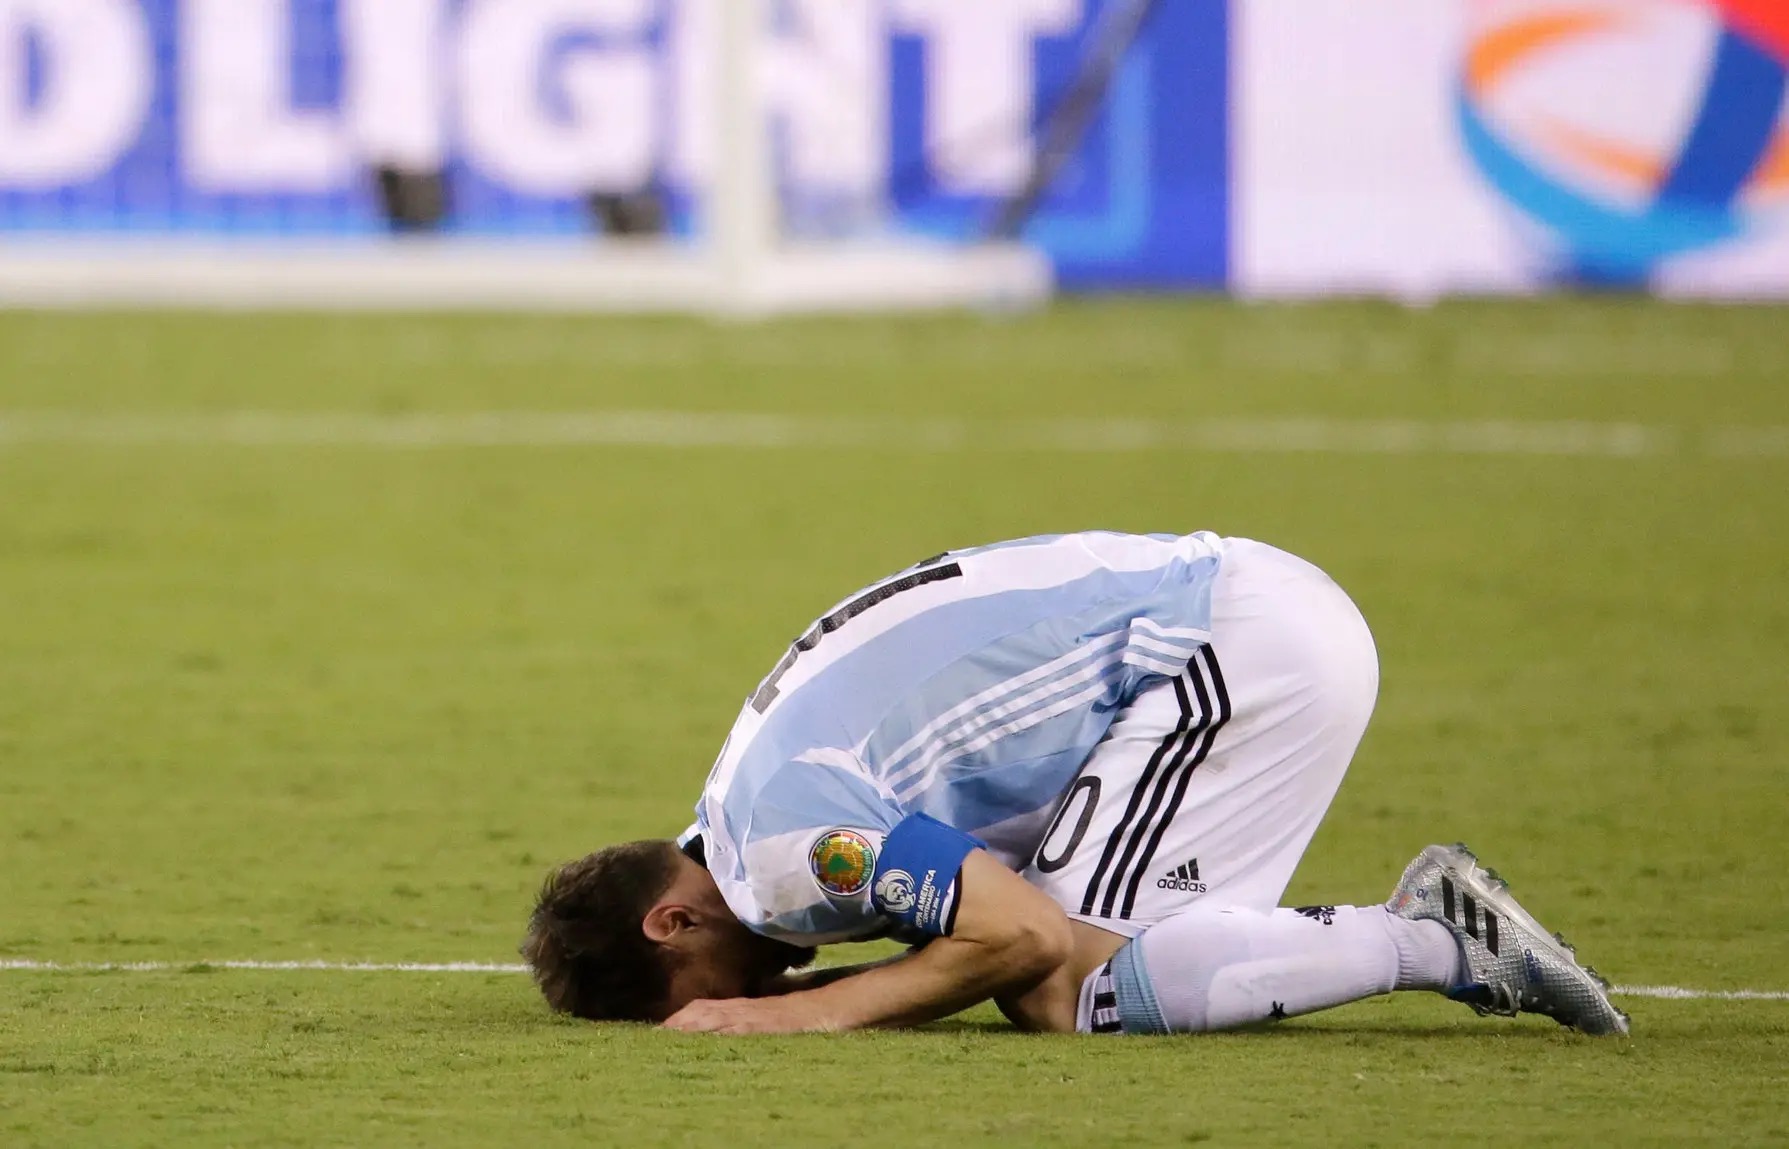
[
  {"x": 1212, "y": 968},
  {"x": 1187, "y": 822},
  {"x": 1209, "y": 788},
  {"x": 1087, "y": 836},
  {"x": 1451, "y": 925},
  {"x": 1292, "y": 676}
]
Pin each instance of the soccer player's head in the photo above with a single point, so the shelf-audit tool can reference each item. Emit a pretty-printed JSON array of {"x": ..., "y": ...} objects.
[{"x": 635, "y": 932}]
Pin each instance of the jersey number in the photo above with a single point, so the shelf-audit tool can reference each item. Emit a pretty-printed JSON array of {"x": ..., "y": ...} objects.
[
  {"x": 767, "y": 691},
  {"x": 1088, "y": 785}
]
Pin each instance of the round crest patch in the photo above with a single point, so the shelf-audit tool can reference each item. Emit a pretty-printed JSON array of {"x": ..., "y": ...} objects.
[{"x": 842, "y": 862}]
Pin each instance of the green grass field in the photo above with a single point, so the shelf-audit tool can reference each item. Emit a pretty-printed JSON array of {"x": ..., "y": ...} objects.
[{"x": 346, "y": 699}]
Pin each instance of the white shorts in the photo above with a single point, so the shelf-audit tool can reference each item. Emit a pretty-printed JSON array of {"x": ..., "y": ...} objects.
[{"x": 1211, "y": 785}]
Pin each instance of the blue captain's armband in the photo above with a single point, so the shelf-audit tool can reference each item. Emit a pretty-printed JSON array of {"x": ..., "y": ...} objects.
[{"x": 916, "y": 875}]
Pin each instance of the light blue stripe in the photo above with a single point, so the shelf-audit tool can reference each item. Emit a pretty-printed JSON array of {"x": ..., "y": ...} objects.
[
  {"x": 1137, "y": 1007},
  {"x": 1111, "y": 669},
  {"x": 799, "y": 796},
  {"x": 853, "y": 693},
  {"x": 987, "y": 793},
  {"x": 1023, "y": 719},
  {"x": 1108, "y": 649}
]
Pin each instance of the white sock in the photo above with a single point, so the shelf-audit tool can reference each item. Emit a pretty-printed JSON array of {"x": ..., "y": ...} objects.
[{"x": 1217, "y": 968}]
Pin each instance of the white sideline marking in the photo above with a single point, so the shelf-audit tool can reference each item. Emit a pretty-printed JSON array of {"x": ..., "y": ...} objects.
[
  {"x": 689, "y": 429},
  {"x": 1679, "y": 993},
  {"x": 28, "y": 965}
]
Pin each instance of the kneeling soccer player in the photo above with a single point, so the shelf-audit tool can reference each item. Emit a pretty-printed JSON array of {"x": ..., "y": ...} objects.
[{"x": 1077, "y": 773}]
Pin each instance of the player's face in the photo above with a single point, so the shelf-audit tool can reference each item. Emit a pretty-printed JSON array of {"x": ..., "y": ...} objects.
[
  {"x": 733, "y": 962},
  {"x": 720, "y": 958}
]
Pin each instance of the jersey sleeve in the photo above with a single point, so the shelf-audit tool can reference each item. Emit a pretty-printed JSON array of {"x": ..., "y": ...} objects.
[{"x": 795, "y": 855}]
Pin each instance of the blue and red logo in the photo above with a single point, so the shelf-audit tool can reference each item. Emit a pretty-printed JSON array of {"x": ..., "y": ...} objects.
[{"x": 1632, "y": 130}]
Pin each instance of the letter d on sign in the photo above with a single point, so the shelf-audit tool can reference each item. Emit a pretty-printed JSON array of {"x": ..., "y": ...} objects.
[{"x": 97, "y": 66}]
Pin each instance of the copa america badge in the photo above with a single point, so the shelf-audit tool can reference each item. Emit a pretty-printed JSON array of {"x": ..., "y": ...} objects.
[{"x": 842, "y": 862}]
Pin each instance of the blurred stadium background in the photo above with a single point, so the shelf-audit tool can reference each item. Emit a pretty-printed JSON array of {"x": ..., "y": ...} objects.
[
  {"x": 849, "y": 153},
  {"x": 356, "y": 562}
]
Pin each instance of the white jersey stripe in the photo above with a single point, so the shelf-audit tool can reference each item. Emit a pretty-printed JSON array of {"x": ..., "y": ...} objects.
[
  {"x": 1153, "y": 665},
  {"x": 1157, "y": 646},
  {"x": 942, "y": 727},
  {"x": 988, "y": 738},
  {"x": 1033, "y": 566},
  {"x": 969, "y": 728},
  {"x": 1149, "y": 626},
  {"x": 993, "y": 693}
]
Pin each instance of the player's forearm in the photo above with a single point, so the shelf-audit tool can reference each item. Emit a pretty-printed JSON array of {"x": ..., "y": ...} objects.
[
  {"x": 1008, "y": 938},
  {"x": 948, "y": 975}
]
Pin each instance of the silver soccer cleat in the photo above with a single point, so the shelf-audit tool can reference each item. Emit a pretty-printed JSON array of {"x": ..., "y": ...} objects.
[{"x": 1515, "y": 964}]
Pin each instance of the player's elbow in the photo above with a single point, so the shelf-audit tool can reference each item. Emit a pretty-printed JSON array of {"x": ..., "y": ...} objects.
[
  {"x": 1039, "y": 946},
  {"x": 1021, "y": 935}
]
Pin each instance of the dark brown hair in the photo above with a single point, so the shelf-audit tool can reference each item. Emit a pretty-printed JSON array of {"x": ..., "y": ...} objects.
[{"x": 590, "y": 957}]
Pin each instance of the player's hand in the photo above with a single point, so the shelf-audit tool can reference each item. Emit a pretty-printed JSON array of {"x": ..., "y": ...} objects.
[{"x": 744, "y": 1015}]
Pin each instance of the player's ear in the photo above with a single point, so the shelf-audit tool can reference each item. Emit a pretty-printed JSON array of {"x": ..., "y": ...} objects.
[{"x": 666, "y": 920}]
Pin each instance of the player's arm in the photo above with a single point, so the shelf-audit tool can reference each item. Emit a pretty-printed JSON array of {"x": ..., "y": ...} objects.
[
  {"x": 815, "y": 978},
  {"x": 1006, "y": 938}
]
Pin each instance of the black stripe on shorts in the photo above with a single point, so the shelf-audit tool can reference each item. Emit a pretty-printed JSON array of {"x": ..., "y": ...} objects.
[
  {"x": 1222, "y": 695},
  {"x": 1172, "y": 749}
]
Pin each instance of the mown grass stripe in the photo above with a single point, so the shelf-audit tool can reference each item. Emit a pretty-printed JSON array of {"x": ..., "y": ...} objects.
[
  {"x": 29, "y": 965},
  {"x": 693, "y": 429}
]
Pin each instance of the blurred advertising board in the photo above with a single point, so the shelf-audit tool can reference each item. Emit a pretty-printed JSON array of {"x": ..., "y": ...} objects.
[
  {"x": 273, "y": 117},
  {"x": 1265, "y": 146},
  {"x": 1409, "y": 146}
]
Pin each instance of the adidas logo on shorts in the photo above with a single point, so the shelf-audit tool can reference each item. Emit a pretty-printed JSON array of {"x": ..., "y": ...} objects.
[{"x": 1184, "y": 877}]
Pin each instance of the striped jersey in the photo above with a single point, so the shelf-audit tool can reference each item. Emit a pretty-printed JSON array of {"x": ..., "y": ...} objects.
[{"x": 970, "y": 688}]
